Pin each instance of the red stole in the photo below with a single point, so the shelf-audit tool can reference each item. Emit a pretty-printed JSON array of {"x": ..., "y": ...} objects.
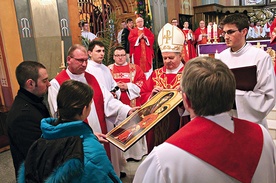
[
  {"x": 143, "y": 60},
  {"x": 97, "y": 98},
  {"x": 228, "y": 152},
  {"x": 167, "y": 81}
]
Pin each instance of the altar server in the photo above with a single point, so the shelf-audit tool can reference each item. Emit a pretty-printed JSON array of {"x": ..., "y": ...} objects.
[
  {"x": 251, "y": 105},
  {"x": 213, "y": 146}
]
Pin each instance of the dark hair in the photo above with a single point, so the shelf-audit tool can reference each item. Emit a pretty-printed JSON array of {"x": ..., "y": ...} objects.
[
  {"x": 75, "y": 47},
  {"x": 129, "y": 20},
  {"x": 240, "y": 20},
  {"x": 209, "y": 85},
  {"x": 27, "y": 70},
  {"x": 72, "y": 97},
  {"x": 93, "y": 43},
  {"x": 119, "y": 48},
  {"x": 82, "y": 24}
]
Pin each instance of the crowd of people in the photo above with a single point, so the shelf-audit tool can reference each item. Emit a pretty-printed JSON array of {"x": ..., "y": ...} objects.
[{"x": 218, "y": 129}]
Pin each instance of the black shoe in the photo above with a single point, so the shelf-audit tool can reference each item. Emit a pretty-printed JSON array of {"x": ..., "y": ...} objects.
[
  {"x": 132, "y": 159},
  {"x": 122, "y": 174}
]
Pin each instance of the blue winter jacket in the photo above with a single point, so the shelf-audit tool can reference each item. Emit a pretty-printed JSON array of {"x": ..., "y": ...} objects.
[{"x": 96, "y": 166}]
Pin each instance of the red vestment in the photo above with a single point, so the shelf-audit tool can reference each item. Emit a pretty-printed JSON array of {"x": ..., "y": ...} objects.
[
  {"x": 221, "y": 148},
  {"x": 273, "y": 32},
  {"x": 199, "y": 31},
  {"x": 160, "y": 78},
  {"x": 171, "y": 123},
  {"x": 220, "y": 35},
  {"x": 129, "y": 73},
  {"x": 188, "y": 51},
  {"x": 142, "y": 53}
]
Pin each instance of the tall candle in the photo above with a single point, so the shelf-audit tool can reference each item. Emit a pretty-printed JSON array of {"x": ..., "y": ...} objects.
[
  {"x": 215, "y": 30},
  {"x": 209, "y": 31},
  {"x": 62, "y": 54}
]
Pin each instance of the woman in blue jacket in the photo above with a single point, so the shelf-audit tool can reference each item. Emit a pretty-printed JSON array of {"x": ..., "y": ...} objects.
[{"x": 68, "y": 151}]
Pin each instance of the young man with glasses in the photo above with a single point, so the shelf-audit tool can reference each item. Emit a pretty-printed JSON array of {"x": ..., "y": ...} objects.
[
  {"x": 256, "y": 103},
  {"x": 130, "y": 79}
]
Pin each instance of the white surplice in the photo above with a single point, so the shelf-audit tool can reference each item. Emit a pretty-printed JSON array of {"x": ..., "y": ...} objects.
[
  {"x": 253, "y": 105},
  {"x": 104, "y": 76},
  {"x": 115, "y": 111},
  {"x": 169, "y": 163}
]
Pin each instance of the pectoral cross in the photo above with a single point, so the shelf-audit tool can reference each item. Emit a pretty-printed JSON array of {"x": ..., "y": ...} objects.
[{"x": 167, "y": 36}]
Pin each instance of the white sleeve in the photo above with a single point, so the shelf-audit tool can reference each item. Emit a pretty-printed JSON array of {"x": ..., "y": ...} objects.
[
  {"x": 255, "y": 105},
  {"x": 133, "y": 91},
  {"x": 137, "y": 42},
  {"x": 52, "y": 96},
  {"x": 114, "y": 84},
  {"x": 263, "y": 33},
  {"x": 114, "y": 108},
  {"x": 147, "y": 41},
  {"x": 149, "y": 170}
]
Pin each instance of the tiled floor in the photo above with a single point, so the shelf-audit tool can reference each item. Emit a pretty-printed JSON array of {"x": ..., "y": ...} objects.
[
  {"x": 7, "y": 170},
  {"x": 131, "y": 168}
]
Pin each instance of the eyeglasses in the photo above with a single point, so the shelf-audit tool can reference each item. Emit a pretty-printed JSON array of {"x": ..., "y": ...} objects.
[
  {"x": 229, "y": 32},
  {"x": 120, "y": 55},
  {"x": 81, "y": 60}
]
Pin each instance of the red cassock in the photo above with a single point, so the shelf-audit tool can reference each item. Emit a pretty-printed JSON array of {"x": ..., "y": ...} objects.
[
  {"x": 143, "y": 54},
  {"x": 171, "y": 123},
  {"x": 273, "y": 32},
  {"x": 129, "y": 73},
  {"x": 188, "y": 51},
  {"x": 199, "y": 31}
]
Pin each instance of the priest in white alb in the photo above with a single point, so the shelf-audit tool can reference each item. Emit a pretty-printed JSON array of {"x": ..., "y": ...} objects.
[{"x": 104, "y": 107}]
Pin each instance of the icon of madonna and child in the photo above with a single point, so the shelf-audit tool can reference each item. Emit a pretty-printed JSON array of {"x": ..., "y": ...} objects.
[{"x": 142, "y": 119}]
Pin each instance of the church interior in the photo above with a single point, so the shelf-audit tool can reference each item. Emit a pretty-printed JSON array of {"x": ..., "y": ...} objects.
[{"x": 43, "y": 31}]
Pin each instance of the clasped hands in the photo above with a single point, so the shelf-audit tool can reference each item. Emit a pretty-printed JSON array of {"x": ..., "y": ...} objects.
[{"x": 142, "y": 36}]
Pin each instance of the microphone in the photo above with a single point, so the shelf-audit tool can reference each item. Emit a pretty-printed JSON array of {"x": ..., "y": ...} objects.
[{"x": 115, "y": 89}]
